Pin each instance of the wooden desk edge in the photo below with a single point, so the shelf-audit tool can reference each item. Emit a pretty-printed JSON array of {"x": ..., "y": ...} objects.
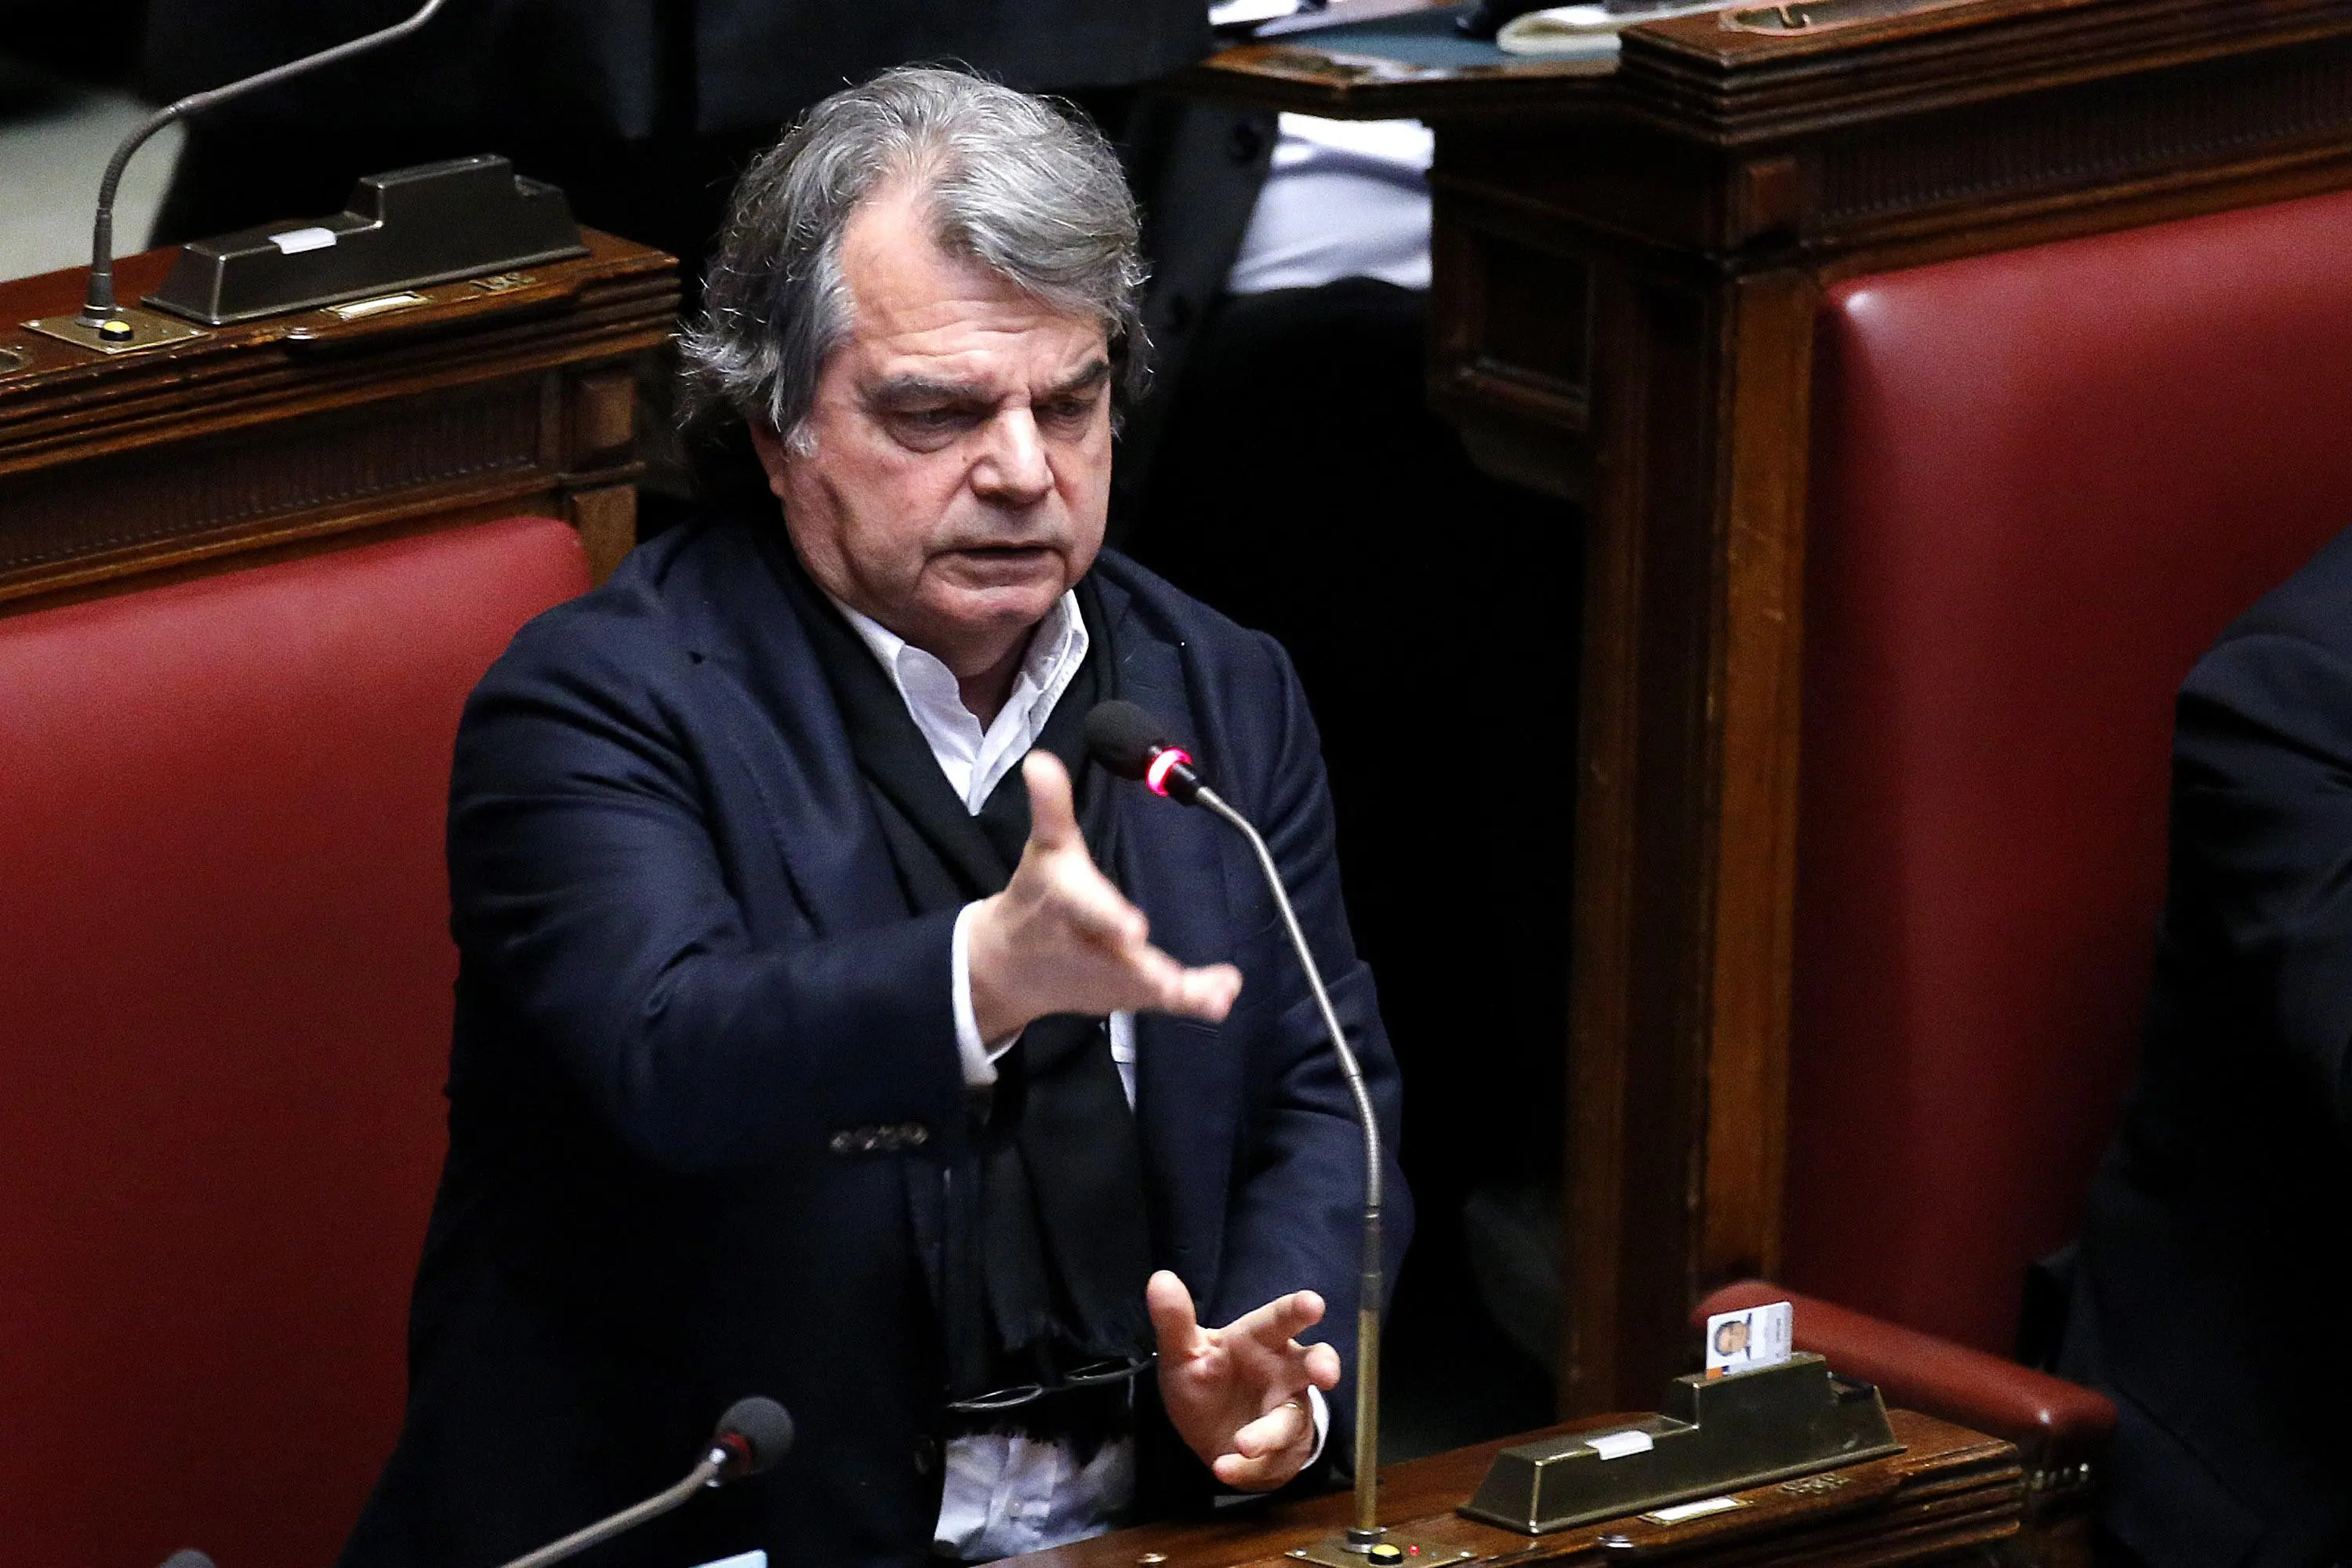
[{"x": 1978, "y": 1494}]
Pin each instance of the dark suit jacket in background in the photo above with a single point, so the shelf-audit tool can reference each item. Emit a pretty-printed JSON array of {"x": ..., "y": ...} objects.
[
  {"x": 643, "y": 112},
  {"x": 2214, "y": 1295},
  {"x": 688, "y": 965},
  {"x": 623, "y": 69}
]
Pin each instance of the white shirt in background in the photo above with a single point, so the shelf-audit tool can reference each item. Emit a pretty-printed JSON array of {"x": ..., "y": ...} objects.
[{"x": 1343, "y": 198}]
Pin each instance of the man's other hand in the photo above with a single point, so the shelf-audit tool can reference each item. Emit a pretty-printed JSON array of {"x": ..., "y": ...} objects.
[
  {"x": 1237, "y": 1395},
  {"x": 1062, "y": 938}
]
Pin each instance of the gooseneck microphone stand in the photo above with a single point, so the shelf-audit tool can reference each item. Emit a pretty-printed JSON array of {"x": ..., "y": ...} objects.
[
  {"x": 1131, "y": 742},
  {"x": 752, "y": 1436},
  {"x": 705, "y": 1474},
  {"x": 98, "y": 307},
  {"x": 1366, "y": 1532}
]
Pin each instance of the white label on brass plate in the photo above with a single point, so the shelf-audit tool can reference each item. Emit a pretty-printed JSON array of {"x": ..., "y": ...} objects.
[
  {"x": 1699, "y": 1510},
  {"x": 358, "y": 309}
]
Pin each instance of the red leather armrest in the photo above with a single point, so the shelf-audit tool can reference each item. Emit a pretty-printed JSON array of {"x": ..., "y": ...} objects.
[{"x": 2052, "y": 1422}]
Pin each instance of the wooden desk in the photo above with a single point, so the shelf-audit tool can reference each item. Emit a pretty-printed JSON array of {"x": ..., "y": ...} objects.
[
  {"x": 1952, "y": 1492},
  {"x": 1628, "y": 271},
  {"x": 481, "y": 402}
]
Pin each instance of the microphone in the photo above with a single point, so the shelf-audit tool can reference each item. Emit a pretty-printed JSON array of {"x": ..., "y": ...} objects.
[
  {"x": 98, "y": 311},
  {"x": 751, "y": 1437},
  {"x": 1126, "y": 740},
  {"x": 1132, "y": 743}
]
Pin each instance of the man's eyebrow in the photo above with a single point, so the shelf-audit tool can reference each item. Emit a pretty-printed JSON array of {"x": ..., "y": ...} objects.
[
  {"x": 904, "y": 389},
  {"x": 1096, "y": 373},
  {"x": 900, "y": 391}
]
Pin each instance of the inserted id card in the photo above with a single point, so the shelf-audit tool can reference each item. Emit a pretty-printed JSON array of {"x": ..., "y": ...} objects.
[{"x": 1748, "y": 1341}]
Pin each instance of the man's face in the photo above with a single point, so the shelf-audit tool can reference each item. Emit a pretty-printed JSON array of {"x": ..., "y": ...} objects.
[{"x": 960, "y": 472}]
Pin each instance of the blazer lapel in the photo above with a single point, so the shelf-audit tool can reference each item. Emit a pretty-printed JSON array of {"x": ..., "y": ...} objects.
[
  {"x": 784, "y": 731},
  {"x": 1188, "y": 1075}
]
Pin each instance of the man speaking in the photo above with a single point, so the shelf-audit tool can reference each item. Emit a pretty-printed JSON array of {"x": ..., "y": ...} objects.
[{"x": 828, "y": 1027}]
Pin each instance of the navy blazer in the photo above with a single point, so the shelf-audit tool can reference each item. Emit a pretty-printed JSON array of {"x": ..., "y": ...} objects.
[
  {"x": 2215, "y": 1283},
  {"x": 687, "y": 968}
]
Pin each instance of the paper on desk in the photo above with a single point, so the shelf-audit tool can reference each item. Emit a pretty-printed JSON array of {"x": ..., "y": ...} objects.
[
  {"x": 1243, "y": 13},
  {"x": 1588, "y": 29}
]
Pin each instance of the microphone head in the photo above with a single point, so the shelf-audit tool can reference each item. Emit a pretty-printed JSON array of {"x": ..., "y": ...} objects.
[
  {"x": 756, "y": 1432},
  {"x": 1124, "y": 738},
  {"x": 187, "y": 1557}
]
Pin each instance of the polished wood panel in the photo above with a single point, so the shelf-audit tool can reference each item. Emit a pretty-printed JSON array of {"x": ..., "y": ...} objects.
[
  {"x": 1627, "y": 270},
  {"x": 1951, "y": 1495},
  {"x": 515, "y": 394}
]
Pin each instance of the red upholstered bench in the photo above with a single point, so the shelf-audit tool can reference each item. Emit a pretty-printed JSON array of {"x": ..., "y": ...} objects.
[
  {"x": 225, "y": 1027},
  {"x": 2043, "y": 481}
]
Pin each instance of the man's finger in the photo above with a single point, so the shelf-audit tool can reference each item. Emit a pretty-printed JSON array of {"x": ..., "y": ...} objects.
[
  {"x": 1053, "y": 822},
  {"x": 1285, "y": 1425},
  {"x": 1174, "y": 1322},
  {"x": 1323, "y": 1367},
  {"x": 1248, "y": 1475},
  {"x": 1280, "y": 1320},
  {"x": 1206, "y": 994}
]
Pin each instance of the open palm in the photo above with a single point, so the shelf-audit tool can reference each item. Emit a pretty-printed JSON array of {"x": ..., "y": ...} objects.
[{"x": 1237, "y": 1395}]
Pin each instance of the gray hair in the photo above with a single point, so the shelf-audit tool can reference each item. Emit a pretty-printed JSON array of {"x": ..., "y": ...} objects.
[{"x": 1012, "y": 183}]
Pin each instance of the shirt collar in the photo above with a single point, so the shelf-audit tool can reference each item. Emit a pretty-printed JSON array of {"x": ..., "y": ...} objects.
[
  {"x": 975, "y": 759},
  {"x": 1056, "y": 646}
]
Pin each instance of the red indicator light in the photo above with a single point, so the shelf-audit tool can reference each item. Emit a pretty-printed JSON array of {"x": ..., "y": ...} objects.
[
  {"x": 1156, "y": 775},
  {"x": 1412, "y": 1552}
]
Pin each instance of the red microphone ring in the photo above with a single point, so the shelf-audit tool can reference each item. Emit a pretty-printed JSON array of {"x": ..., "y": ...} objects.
[{"x": 1156, "y": 776}]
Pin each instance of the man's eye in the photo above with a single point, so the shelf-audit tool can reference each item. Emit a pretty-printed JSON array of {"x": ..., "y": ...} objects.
[
  {"x": 1069, "y": 410},
  {"x": 937, "y": 423}
]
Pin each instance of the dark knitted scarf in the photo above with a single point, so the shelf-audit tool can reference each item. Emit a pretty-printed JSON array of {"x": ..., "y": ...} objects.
[{"x": 1044, "y": 1249}]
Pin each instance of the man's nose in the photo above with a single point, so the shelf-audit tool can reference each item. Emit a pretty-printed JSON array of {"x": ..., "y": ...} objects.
[{"x": 1013, "y": 468}]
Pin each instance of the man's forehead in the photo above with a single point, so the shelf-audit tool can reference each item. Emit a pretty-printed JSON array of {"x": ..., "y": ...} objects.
[{"x": 917, "y": 308}]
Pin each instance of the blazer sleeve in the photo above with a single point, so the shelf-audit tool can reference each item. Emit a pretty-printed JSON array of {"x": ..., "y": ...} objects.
[
  {"x": 2261, "y": 842},
  {"x": 589, "y": 895},
  {"x": 1296, "y": 1215}
]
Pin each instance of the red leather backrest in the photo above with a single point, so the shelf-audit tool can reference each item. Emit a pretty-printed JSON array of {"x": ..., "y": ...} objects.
[
  {"x": 2042, "y": 480},
  {"x": 223, "y": 1034}
]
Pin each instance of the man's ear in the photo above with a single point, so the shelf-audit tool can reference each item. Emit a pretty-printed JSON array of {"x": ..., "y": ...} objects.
[{"x": 775, "y": 457}]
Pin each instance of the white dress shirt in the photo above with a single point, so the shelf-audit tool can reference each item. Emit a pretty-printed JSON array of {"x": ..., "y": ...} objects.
[
  {"x": 1007, "y": 1493},
  {"x": 1343, "y": 198}
]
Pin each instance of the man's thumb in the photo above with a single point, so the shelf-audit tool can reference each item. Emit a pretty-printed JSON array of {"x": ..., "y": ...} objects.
[{"x": 1053, "y": 824}]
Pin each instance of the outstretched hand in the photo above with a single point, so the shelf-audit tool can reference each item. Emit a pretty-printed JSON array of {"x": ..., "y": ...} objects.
[
  {"x": 1062, "y": 938},
  {"x": 1237, "y": 1395}
]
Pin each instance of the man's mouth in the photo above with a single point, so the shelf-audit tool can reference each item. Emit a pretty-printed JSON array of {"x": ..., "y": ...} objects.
[{"x": 1004, "y": 555}]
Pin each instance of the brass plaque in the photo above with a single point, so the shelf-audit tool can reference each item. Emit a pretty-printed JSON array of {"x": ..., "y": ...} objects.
[{"x": 147, "y": 331}]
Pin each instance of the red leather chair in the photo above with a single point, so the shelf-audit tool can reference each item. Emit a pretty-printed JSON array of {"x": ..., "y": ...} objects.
[
  {"x": 225, "y": 1028},
  {"x": 2043, "y": 480}
]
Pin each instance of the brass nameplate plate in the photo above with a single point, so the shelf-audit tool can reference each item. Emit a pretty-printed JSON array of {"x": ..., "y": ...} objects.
[{"x": 147, "y": 331}]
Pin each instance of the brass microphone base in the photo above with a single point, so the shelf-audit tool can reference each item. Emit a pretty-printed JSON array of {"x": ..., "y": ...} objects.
[
  {"x": 1395, "y": 1549},
  {"x": 145, "y": 329}
]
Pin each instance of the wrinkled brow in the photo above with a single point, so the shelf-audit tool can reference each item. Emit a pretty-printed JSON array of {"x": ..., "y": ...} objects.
[{"x": 904, "y": 391}]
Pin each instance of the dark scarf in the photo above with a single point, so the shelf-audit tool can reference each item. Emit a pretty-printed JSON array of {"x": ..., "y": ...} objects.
[{"x": 1042, "y": 1251}]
